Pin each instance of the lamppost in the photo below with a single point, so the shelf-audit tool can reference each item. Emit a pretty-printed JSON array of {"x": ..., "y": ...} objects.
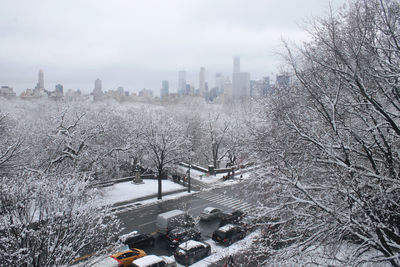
[{"x": 190, "y": 164}]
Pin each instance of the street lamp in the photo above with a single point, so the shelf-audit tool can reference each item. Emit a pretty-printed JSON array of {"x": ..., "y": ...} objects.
[{"x": 190, "y": 164}]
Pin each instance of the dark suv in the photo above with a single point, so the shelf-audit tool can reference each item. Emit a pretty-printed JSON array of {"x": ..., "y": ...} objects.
[
  {"x": 233, "y": 217},
  {"x": 191, "y": 251},
  {"x": 229, "y": 234},
  {"x": 137, "y": 240},
  {"x": 180, "y": 235}
]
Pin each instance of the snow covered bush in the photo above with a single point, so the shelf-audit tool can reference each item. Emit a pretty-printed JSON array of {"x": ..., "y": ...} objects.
[{"x": 333, "y": 141}]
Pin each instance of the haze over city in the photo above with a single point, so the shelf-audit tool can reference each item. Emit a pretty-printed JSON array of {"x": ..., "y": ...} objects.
[{"x": 137, "y": 44}]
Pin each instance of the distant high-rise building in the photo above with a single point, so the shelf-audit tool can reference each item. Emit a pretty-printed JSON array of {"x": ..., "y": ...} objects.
[
  {"x": 240, "y": 81},
  {"x": 219, "y": 83},
  {"x": 41, "y": 79},
  {"x": 202, "y": 81},
  {"x": 181, "y": 82},
  {"x": 40, "y": 84},
  {"x": 164, "y": 89},
  {"x": 282, "y": 81},
  {"x": 97, "y": 91},
  {"x": 240, "y": 85},
  {"x": 60, "y": 89},
  {"x": 97, "y": 85},
  {"x": 259, "y": 88},
  {"x": 236, "y": 64}
]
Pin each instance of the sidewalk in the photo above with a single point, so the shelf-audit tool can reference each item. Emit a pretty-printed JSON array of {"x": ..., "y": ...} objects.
[{"x": 147, "y": 197}]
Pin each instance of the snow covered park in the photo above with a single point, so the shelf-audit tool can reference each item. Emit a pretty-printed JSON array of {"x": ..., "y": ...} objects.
[{"x": 127, "y": 191}]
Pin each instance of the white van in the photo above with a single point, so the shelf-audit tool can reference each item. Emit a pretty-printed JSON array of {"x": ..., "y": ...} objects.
[
  {"x": 169, "y": 220},
  {"x": 154, "y": 261}
]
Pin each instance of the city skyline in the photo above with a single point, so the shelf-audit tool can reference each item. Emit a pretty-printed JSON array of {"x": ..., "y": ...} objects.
[{"x": 138, "y": 44}]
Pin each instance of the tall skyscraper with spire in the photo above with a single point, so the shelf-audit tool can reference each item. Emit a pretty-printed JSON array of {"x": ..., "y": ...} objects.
[{"x": 40, "y": 84}]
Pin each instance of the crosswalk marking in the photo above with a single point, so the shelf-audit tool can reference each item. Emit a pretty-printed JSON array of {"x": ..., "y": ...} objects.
[{"x": 226, "y": 201}]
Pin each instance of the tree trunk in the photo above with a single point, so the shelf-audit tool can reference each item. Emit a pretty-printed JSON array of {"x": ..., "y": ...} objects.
[{"x": 159, "y": 196}]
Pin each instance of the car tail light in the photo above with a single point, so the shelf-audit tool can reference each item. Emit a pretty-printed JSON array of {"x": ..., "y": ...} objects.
[
  {"x": 225, "y": 240},
  {"x": 176, "y": 239}
]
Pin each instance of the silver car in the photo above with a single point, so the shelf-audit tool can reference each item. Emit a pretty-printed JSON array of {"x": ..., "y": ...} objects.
[{"x": 210, "y": 213}]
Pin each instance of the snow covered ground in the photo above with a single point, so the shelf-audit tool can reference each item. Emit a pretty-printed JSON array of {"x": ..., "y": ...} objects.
[{"x": 128, "y": 191}]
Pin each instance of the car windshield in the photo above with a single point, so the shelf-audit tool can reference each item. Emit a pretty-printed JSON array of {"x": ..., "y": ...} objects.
[{"x": 220, "y": 233}]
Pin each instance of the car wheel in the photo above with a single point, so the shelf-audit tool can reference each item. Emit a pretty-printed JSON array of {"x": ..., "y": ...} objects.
[{"x": 209, "y": 252}]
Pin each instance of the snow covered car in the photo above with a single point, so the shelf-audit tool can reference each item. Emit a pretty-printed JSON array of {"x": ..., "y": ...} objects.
[
  {"x": 229, "y": 234},
  {"x": 180, "y": 235},
  {"x": 233, "y": 217},
  {"x": 137, "y": 240},
  {"x": 191, "y": 251},
  {"x": 128, "y": 256},
  {"x": 154, "y": 261},
  {"x": 209, "y": 213}
]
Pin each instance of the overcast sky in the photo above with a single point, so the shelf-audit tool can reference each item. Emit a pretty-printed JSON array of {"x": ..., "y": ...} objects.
[{"x": 137, "y": 44}]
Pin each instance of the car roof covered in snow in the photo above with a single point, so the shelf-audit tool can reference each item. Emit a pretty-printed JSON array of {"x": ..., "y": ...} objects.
[
  {"x": 227, "y": 227},
  {"x": 191, "y": 244},
  {"x": 147, "y": 260}
]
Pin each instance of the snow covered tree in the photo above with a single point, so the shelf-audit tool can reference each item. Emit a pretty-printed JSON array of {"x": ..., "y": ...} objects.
[
  {"x": 10, "y": 146},
  {"x": 50, "y": 219},
  {"x": 333, "y": 140},
  {"x": 164, "y": 140}
]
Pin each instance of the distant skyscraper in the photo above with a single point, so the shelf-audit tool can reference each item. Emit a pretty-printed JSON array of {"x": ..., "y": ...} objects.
[
  {"x": 219, "y": 82},
  {"x": 240, "y": 85},
  {"x": 181, "y": 82},
  {"x": 41, "y": 79},
  {"x": 97, "y": 91},
  {"x": 236, "y": 64},
  {"x": 97, "y": 85},
  {"x": 164, "y": 89},
  {"x": 59, "y": 89},
  {"x": 40, "y": 84},
  {"x": 202, "y": 81}
]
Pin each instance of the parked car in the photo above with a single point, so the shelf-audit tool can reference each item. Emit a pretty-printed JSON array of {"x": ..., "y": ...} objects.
[
  {"x": 137, "y": 240},
  {"x": 154, "y": 261},
  {"x": 128, "y": 256},
  {"x": 229, "y": 234},
  {"x": 167, "y": 221},
  {"x": 233, "y": 217},
  {"x": 191, "y": 251},
  {"x": 210, "y": 213},
  {"x": 182, "y": 234}
]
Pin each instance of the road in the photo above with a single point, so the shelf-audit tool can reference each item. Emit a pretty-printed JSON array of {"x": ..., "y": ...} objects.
[{"x": 143, "y": 218}]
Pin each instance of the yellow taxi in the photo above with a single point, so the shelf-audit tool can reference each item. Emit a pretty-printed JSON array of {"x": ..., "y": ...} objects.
[{"x": 126, "y": 257}]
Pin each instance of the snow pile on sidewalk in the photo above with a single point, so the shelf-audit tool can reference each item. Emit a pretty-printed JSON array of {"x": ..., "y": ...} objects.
[
  {"x": 127, "y": 191},
  {"x": 219, "y": 252}
]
